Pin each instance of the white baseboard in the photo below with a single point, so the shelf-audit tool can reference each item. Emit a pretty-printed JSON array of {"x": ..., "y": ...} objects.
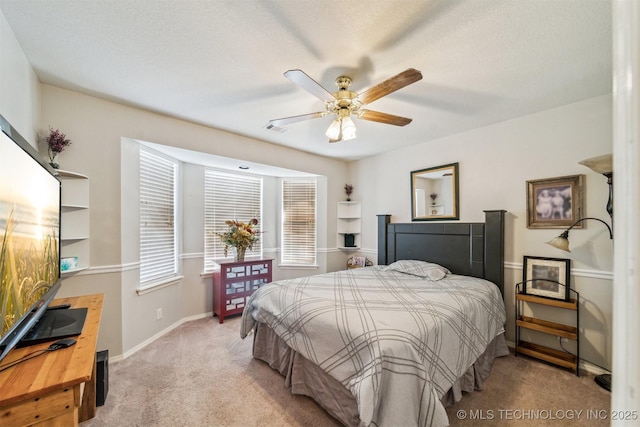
[{"x": 158, "y": 335}]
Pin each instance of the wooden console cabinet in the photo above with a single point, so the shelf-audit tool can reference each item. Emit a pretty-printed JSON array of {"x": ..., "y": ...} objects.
[
  {"x": 234, "y": 284},
  {"x": 59, "y": 387}
]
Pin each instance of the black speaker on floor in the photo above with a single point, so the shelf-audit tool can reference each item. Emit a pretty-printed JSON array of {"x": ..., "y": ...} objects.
[{"x": 102, "y": 376}]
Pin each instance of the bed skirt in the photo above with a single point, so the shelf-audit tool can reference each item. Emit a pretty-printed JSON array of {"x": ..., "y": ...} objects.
[{"x": 304, "y": 377}]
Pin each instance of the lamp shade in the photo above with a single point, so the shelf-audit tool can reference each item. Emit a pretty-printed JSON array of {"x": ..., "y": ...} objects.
[
  {"x": 560, "y": 242},
  {"x": 348, "y": 128},
  {"x": 333, "y": 132},
  {"x": 600, "y": 164}
]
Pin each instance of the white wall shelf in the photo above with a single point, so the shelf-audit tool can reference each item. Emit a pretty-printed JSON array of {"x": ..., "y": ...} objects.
[
  {"x": 349, "y": 222},
  {"x": 75, "y": 220}
]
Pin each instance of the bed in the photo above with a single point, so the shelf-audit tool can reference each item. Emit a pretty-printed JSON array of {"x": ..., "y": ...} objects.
[{"x": 391, "y": 344}]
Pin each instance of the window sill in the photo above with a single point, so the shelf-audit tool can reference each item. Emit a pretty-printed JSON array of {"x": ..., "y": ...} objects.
[
  {"x": 298, "y": 267},
  {"x": 156, "y": 286}
]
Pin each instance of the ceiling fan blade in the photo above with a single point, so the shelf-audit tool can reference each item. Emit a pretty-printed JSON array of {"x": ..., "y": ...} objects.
[
  {"x": 294, "y": 119},
  {"x": 389, "y": 119},
  {"x": 390, "y": 85},
  {"x": 300, "y": 78}
]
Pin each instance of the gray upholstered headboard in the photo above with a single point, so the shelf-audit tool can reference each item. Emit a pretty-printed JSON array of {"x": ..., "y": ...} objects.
[{"x": 468, "y": 248}]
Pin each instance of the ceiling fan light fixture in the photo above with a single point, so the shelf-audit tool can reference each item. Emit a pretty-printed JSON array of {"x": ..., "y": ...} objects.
[
  {"x": 333, "y": 132},
  {"x": 344, "y": 103},
  {"x": 348, "y": 129}
]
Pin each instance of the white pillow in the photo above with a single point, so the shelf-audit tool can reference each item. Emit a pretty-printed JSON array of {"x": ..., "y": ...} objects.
[{"x": 427, "y": 270}]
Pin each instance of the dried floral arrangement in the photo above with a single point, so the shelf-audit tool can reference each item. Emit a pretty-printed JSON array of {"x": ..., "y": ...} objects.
[
  {"x": 348, "y": 189},
  {"x": 241, "y": 235},
  {"x": 56, "y": 143}
]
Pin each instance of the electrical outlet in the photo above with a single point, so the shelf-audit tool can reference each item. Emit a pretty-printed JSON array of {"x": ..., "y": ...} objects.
[
  {"x": 563, "y": 339},
  {"x": 158, "y": 314}
]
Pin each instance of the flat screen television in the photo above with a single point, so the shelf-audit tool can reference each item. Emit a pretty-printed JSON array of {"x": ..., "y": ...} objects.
[{"x": 29, "y": 237}]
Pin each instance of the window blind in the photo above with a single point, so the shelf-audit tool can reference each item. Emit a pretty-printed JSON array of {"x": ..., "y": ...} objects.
[
  {"x": 228, "y": 197},
  {"x": 298, "y": 222},
  {"x": 158, "y": 258}
]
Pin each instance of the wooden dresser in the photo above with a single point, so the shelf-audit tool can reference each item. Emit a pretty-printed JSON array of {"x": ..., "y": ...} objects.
[
  {"x": 234, "y": 284},
  {"x": 57, "y": 388}
]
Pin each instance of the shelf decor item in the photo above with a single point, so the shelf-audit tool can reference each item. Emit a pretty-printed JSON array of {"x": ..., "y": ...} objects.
[
  {"x": 349, "y": 240},
  {"x": 56, "y": 143},
  {"x": 547, "y": 277},
  {"x": 555, "y": 202},
  {"x": 241, "y": 236},
  {"x": 348, "y": 189},
  {"x": 68, "y": 263}
]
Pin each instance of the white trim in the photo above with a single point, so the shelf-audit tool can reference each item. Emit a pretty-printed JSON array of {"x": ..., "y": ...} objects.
[
  {"x": 626, "y": 182},
  {"x": 165, "y": 331},
  {"x": 106, "y": 269},
  {"x": 577, "y": 272},
  {"x": 156, "y": 286},
  {"x": 194, "y": 255},
  {"x": 298, "y": 267}
]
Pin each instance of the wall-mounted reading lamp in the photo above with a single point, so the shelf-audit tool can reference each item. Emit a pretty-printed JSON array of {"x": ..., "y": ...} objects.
[
  {"x": 604, "y": 165},
  {"x": 562, "y": 241},
  {"x": 601, "y": 164}
]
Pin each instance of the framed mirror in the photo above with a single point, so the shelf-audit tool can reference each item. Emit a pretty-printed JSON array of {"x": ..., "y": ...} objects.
[{"x": 434, "y": 193}]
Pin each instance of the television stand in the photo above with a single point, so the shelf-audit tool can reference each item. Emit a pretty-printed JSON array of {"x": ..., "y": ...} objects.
[{"x": 59, "y": 387}]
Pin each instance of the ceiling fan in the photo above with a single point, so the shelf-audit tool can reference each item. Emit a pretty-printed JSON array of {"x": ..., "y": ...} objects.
[{"x": 345, "y": 103}]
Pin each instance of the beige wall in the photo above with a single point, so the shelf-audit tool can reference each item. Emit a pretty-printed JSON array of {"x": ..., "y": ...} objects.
[
  {"x": 495, "y": 163},
  {"x": 19, "y": 88},
  {"x": 97, "y": 129}
]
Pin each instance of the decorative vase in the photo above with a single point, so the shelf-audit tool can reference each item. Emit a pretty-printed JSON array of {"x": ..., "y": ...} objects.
[
  {"x": 240, "y": 254},
  {"x": 53, "y": 162}
]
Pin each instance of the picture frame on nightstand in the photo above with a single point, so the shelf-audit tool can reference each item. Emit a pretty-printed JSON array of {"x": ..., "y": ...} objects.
[{"x": 547, "y": 277}]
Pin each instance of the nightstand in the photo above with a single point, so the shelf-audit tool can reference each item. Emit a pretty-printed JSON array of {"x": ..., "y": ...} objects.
[{"x": 560, "y": 330}]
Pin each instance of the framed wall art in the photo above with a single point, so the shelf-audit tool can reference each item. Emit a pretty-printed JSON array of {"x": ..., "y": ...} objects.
[
  {"x": 547, "y": 277},
  {"x": 555, "y": 202}
]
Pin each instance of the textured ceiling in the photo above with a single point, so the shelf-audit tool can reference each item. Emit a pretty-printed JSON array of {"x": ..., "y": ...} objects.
[{"x": 221, "y": 63}]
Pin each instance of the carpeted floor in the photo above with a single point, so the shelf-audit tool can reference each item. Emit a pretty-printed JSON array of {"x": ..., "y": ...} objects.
[{"x": 202, "y": 374}]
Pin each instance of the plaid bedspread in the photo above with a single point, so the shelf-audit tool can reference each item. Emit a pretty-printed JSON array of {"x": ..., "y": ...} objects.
[{"x": 397, "y": 342}]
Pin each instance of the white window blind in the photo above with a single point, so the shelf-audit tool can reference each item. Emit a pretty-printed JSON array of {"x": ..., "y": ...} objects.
[
  {"x": 228, "y": 197},
  {"x": 158, "y": 258},
  {"x": 298, "y": 221}
]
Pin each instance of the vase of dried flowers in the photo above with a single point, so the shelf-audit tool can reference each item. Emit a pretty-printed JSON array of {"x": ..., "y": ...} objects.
[
  {"x": 433, "y": 196},
  {"x": 240, "y": 251},
  {"x": 348, "y": 189},
  {"x": 56, "y": 143},
  {"x": 241, "y": 236}
]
